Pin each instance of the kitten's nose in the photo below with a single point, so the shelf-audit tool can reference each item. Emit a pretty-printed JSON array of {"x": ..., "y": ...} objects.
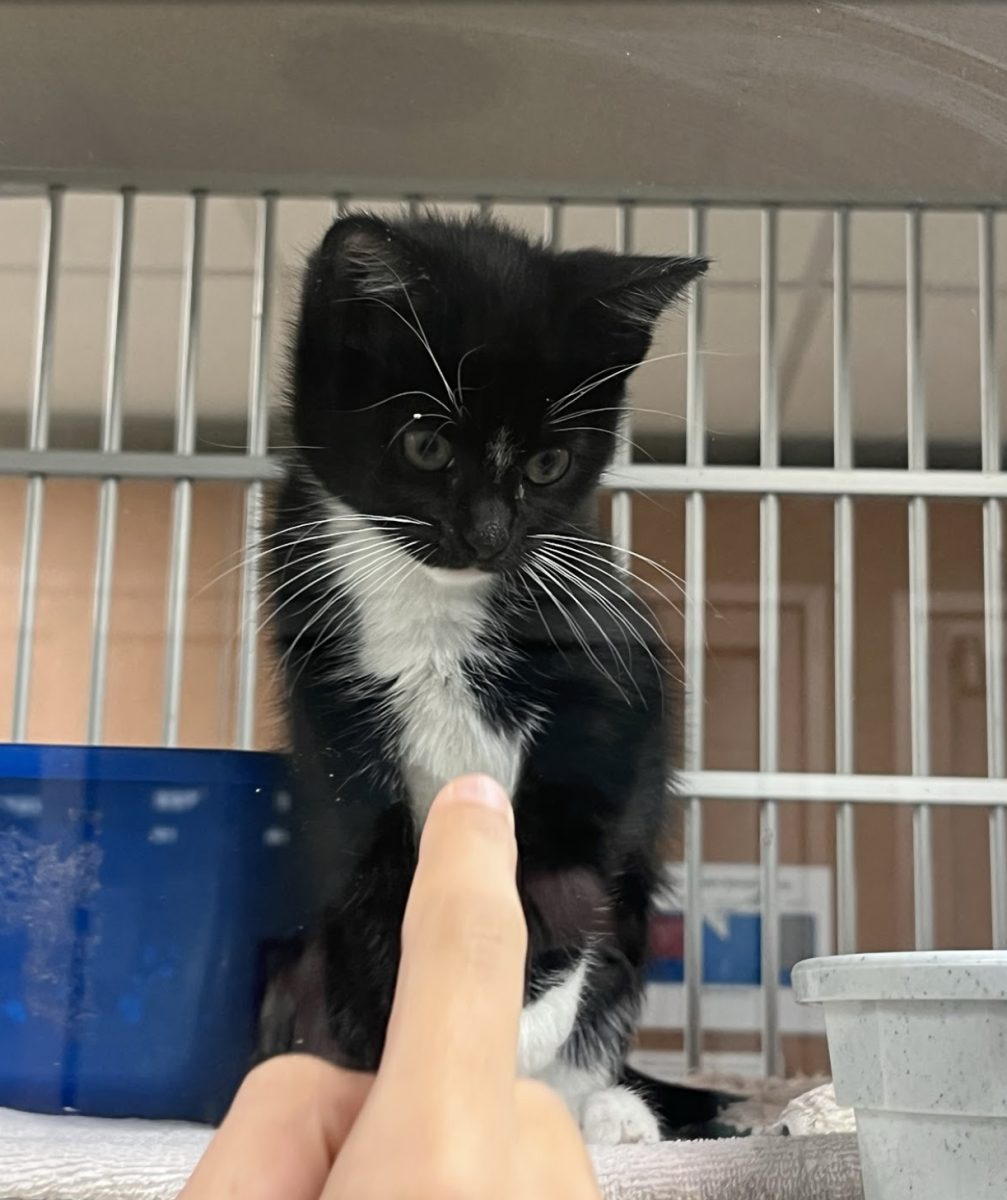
[
  {"x": 488, "y": 540},
  {"x": 490, "y": 530}
]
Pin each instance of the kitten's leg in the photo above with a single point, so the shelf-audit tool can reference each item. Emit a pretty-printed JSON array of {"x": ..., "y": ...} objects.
[
  {"x": 548, "y": 1021},
  {"x": 607, "y": 1115},
  {"x": 589, "y": 1066}
]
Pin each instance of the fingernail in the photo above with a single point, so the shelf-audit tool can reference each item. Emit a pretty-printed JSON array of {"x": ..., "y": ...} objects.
[{"x": 478, "y": 789}]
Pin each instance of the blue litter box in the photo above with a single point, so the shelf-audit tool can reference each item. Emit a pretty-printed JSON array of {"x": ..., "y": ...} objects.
[{"x": 138, "y": 890}]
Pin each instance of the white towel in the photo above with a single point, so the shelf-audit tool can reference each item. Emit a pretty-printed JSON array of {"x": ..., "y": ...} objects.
[
  {"x": 820, "y": 1167},
  {"x": 81, "y": 1158},
  {"x": 85, "y": 1158}
]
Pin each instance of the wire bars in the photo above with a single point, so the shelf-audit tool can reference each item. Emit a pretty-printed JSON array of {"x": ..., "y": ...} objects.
[{"x": 843, "y": 483}]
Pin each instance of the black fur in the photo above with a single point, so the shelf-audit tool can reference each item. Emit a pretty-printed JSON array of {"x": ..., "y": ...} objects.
[{"x": 511, "y": 328}]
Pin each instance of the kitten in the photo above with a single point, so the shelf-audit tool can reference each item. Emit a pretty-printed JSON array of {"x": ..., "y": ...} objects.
[{"x": 443, "y": 602}]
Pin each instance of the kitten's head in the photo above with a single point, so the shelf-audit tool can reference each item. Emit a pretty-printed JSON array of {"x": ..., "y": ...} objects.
[{"x": 456, "y": 374}]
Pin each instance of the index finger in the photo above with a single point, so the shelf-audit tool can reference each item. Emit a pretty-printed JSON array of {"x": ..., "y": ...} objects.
[{"x": 453, "y": 1032}]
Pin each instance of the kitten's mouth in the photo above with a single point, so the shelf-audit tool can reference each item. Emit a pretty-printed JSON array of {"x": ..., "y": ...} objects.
[{"x": 459, "y": 576}]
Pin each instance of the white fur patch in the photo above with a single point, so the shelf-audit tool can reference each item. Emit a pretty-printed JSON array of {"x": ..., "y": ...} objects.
[
  {"x": 618, "y": 1117},
  {"x": 500, "y": 453},
  {"x": 418, "y": 627},
  {"x": 548, "y": 1021},
  {"x": 607, "y": 1115}
]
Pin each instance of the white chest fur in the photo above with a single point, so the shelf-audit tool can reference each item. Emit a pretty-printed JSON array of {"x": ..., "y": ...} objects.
[{"x": 418, "y": 627}]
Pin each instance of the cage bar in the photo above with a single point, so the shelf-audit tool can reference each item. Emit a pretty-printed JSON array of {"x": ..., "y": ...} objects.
[
  {"x": 993, "y": 610},
  {"x": 656, "y": 477},
  {"x": 919, "y": 639},
  {"x": 185, "y": 444},
  {"x": 695, "y": 654},
  {"x": 695, "y": 480},
  {"x": 814, "y": 787},
  {"x": 258, "y": 446},
  {"x": 38, "y": 440},
  {"x": 769, "y": 642},
  {"x": 622, "y": 501},
  {"x": 552, "y": 225},
  {"x": 111, "y": 442},
  {"x": 882, "y": 483},
  {"x": 844, "y": 633}
]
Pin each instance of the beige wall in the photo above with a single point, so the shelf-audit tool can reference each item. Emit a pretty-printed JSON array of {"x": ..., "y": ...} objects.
[{"x": 136, "y": 651}]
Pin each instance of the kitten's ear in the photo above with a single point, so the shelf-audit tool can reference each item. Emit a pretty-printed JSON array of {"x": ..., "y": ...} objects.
[
  {"x": 634, "y": 289},
  {"x": 366, "y": 257}
]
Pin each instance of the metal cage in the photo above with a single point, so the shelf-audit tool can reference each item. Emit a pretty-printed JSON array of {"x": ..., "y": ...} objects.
[{"x": 844, "y": 483}]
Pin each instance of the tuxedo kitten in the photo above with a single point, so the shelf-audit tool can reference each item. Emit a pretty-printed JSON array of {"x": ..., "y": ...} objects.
[{"x": 443, "y": 602}]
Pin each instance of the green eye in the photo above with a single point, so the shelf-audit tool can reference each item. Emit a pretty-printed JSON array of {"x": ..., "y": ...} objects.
[
  {"x": 547, "y": 466},
  {"x": 427, "y": 451}
]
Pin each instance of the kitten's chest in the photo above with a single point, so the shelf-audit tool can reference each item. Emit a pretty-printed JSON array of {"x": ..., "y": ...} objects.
[{"x": 422, "y": 640}]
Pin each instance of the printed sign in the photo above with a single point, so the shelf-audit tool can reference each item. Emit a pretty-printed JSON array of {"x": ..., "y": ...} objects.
[{"x": 732, "y": 940}]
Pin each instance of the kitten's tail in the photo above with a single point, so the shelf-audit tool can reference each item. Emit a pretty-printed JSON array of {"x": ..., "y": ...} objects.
[{"x": 685, "y": 1112}]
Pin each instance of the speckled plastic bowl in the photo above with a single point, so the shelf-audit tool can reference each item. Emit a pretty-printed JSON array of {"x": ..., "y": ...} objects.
[{"x": 918, "y": 1044}]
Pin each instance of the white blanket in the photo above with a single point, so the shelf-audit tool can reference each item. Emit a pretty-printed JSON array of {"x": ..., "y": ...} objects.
[{"x": 81, "y": 1158}]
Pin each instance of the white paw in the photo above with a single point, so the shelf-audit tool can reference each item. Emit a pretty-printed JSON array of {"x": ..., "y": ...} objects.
[{"x": 616, "y": 1117}]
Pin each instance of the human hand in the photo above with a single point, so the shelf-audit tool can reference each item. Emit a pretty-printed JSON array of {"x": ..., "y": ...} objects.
[{"x": 446, "y": 1117}]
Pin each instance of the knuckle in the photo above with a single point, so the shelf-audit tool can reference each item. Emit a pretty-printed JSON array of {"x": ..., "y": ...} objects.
[{"x": 288, "y": 1077}]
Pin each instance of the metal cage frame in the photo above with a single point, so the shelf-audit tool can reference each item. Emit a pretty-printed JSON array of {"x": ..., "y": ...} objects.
[{"x": 843, "y": 483}]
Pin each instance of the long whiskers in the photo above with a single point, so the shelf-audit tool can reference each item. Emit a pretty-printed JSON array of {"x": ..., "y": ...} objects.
[
  {"x": 677, "y": 580},
  {"x": 555, "y": 573},
  {"x": 264, "y": 543},
  {"x": 418, "y": 331},
  {"x": 359, "y": 556},
  {"x": 461, "y": 362},
  {"x": 599, "y": 378},
  {"x": 536, "y": 571},
  {"x": 602, "y": 377},
  {"x": 369, "y": 564},
  {"x": 600, "y": 572}
]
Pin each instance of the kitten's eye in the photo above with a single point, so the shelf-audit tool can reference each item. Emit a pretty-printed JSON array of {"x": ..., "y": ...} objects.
[
  {"x": 427, "y": 451},
  {"x": 548, "y": 465}
]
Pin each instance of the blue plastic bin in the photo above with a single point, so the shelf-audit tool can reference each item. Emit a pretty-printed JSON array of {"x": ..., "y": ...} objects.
[{"x": 137, "y": 890}]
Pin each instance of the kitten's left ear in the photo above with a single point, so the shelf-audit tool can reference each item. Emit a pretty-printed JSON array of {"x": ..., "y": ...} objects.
[{"x": 634, "y": 289}]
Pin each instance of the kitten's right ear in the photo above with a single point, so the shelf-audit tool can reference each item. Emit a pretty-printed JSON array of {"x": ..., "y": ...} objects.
[{"x": 365, "y": 257}]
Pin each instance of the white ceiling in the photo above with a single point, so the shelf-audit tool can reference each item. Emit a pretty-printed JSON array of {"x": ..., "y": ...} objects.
[{"x": 732, "y": 328}]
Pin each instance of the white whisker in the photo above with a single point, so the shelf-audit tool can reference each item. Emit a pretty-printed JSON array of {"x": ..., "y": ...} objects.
[
  {"x": 576, "y": 561},
  {"x": 629, "y": 574},
  {"x": 558, "y": 574},
  {"x": 621, "y": 437},
  {"x": 593, "y": 381},
  {"x": 540, "y": 570},
  {"x": 373, "y": 559},
  {"x": 566, "y": 537},
  {"x": 458, "y": 375},
  {"x": 417, "y": 329},
  {"x": 541, "y": 615},
  {"x": 365, "y": 555},
  {"x": 397, "y": 396}
]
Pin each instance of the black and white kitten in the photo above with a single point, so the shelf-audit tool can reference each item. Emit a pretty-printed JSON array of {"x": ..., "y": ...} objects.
[{"x": 442, "y": 602}]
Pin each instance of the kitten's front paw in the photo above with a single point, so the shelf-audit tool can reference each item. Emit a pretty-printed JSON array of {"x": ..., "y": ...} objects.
[{"x": 617, "y": 1117}]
